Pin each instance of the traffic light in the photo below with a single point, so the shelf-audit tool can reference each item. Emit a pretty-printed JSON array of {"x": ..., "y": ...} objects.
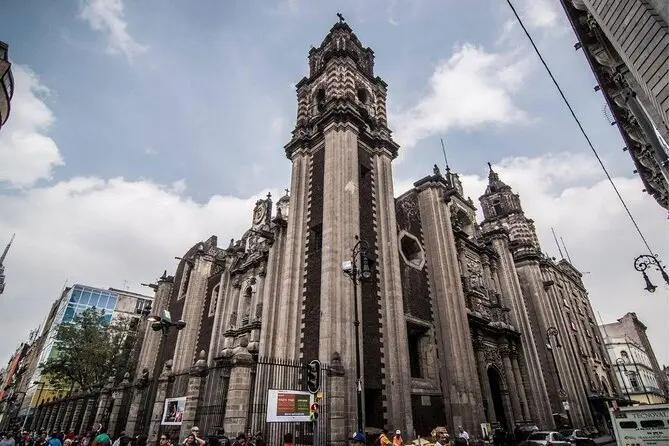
[
  {"x": 314, "y": 376},
  {"x": 313, "y": 416}
]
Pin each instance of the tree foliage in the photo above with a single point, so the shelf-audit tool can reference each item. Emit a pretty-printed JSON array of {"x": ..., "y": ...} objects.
[{"x": 89, "y": 351}]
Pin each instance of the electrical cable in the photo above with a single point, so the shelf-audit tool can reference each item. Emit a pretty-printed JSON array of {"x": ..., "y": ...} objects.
[{"x": 580, "y": 126}]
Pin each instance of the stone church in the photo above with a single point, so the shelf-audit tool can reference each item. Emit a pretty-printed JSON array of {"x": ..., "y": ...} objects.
[{"x": 461, "y": 323}]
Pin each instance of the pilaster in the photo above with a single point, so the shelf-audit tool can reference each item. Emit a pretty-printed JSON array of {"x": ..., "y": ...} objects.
[
  {"x": 103, "y": 403},
  {"x": 118, "y": 395},
  {"x": 76, "y": 415},
  {"x": 67, "y": 416},
  {"x": 151, "y": 340},
  {"x": 458, "y": 366},
  {"x": 337, "y": 400},
  {"x": 521, "y": 388},
  {"x": 62, "y": 408},
  {"x": 287, "y": 340},
  {"x": 51, "y": 420},
  {"x": 481, "y": 363},
  {"x": 88, "y": 410},
  {"x": 395, "y": 342},
  {"x": 137, "y": 398},
  {"x": 239, "y": 389},
  {"x": 192, "y": 312},
  {"x": 159, "y": 402},
  {"x": 535, "y": 385},
  {"x": 512, "y": 385},
  {"x": 197, "y": 374}
]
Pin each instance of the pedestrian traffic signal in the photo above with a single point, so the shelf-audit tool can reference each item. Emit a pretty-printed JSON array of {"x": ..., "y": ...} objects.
[
  {"x": 313, "y": 416},
  {"x": 314, "y": 376}
]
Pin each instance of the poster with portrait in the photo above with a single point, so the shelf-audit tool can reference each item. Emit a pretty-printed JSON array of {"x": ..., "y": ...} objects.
[{"x": 174, "y": 411}]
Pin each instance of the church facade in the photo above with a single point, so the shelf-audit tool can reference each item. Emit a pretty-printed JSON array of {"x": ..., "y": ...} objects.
[{"x": 461, "y": 323}]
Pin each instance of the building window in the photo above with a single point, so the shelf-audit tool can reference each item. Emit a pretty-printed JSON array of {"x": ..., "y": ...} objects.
[
  {"x": 634, "y": 383},
  {"x": 411, "y": 250},
  {"x": 214, "y": 300},
  {"x": 316, "y": 238},
  {"x": 416, "y": 335},
  {"x": 498, "y": 207},
  {"x": 141, "y": 305}
]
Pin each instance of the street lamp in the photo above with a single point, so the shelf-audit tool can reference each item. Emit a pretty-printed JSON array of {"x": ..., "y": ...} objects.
[
  {"x": 357, "y": 275},
  {"x": 621, "y": 362},
  {"x": 642, "y": 263},
  {"x": 552, "y": 332},
  {"x": 164, "y": 322}
]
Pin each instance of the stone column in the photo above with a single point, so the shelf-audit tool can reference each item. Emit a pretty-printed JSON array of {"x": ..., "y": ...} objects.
[
  {"x": 88, "y": 410},
  {"x": 118, "y": 396},
  {"x": 512, "y": 385},
  {"x": 485, "y": 383},
  {"x": 47, "y": 417},
  {"x": 76, "y": 414},
  {"x": 520, "y": 386},
  {"x": 159, "y": 403},
  {"x": 43, "y": 417},
  {"x": 137, "y": 397},
  {"x": 337, "y": 396},
  {"x": 197, "y": 374},
  {"x": 67, "y": 416},
  {"x": 239, "y": 388},
  {"x": 100, "y": 413},
  {"x": 60, "y": 414},
  {"x": 506, "y": 401}
]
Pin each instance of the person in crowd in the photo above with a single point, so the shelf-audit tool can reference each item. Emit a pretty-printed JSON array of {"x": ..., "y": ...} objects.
[
  {"x": 164, "y": 440},
  {"x": 101, "y": 437},
  {"x": 53, "y": 440},
  {"x": 288, "y": 439},
  {"x": 463, "y": 434},
  {"x": 397, "y": 439},
  {"x": 357, "y": 439},
  {"x": 191, "y": 440},
  {"x": 383, "y": 439},
  {"x": 195, "y": 431},
  {"x": 7, "y": 439}
]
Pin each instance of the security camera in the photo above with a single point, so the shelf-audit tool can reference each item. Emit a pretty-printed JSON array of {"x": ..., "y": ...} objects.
[{"x": 347, "y": 266}]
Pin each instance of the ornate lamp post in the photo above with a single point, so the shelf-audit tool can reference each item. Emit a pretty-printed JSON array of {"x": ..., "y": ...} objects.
[
  {"x": 642, "y": 263},
  {"x": 357, "y": 275},
  {"x": 164, "y": 323},
  {"x": 552, "y": 332}
]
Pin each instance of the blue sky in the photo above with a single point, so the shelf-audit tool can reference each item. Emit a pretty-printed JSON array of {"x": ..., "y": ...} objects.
[{"x": 139, "y": 128}]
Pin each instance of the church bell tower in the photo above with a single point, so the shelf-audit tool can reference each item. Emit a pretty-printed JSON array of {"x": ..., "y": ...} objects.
[{"x": 341, "y": 187}]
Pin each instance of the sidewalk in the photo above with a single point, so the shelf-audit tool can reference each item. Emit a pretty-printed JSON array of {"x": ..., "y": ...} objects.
[{"x": 607, "y": 439}]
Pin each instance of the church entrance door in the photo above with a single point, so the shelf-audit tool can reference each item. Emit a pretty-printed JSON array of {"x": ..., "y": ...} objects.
[{"x": 496, "y": 389}]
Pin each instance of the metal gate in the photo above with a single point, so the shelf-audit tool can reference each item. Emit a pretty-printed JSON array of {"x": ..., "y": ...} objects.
[{"x": 279, "y": 374}]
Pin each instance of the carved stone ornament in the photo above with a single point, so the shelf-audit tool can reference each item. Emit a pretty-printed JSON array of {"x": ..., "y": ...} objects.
[
  {"x": 492, "y": 356},
  {"x": 259, "y": 311},
  {"x": 233, "y": 319}
]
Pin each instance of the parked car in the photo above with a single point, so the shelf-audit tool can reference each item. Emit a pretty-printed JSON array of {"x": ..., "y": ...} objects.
[
  {"x": 547, "y": 438},
  {"x": 578, "y": 437}
]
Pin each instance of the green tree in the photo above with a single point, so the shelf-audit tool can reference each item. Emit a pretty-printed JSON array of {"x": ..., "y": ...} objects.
[{"x": 89, "y": 351}]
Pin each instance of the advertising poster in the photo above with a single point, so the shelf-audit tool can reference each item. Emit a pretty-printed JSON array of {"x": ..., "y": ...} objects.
[
  {"x": 288, "y": 405},
  {"x": 174, "y": 411}
]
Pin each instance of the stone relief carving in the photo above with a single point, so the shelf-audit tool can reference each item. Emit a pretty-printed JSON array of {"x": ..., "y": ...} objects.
[
  {"x": 233, "y": 319},
  {"x": 259, "y": 311},
  {"x": 492, "y": 356},
  {"x": 475, "y": 271}
]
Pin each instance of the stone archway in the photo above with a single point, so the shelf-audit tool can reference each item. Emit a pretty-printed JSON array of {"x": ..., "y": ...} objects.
[{"x": 497, "y": 391}]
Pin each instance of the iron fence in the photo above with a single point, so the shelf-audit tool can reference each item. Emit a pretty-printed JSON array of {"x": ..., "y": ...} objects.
[{"x": 277, "y": 374}]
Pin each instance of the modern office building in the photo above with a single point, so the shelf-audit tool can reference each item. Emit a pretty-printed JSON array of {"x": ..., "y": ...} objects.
[
  {"x": 636, "y": 367},
  {"x": 626, "y": 43},
  {"x": 6, "y": 83},
  {"x": 116, "y": 304},
  {"x": 2, "y": 264}
]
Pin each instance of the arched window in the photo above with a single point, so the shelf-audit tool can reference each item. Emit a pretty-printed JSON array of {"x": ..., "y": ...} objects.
[
  {"x": 363, "y": 96},
  {"x": 214, "y": 300},
  {"x": 320, "y": 99},
  {"x": 498, "y": 207}
]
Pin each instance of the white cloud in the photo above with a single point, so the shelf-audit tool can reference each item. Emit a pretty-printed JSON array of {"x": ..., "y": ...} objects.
[
  {"x": 28, "y": 154},
  {"x": 569, "y": 193},
  {"x": 101, "y": 233},
  {"x": 471, "y": 89},
  {"x": 107, "y": 17},
  {"x": 540, "y": 13}
]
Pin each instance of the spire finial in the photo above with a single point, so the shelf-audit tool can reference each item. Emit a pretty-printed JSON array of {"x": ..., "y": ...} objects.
[
  {"x": 287, "y": 191},
  {"x": 4, "y": 253},
  {"x": 443, "y": 149},
  {"x": 341, "y": 17},
  {"x": 489, "y": 166}
]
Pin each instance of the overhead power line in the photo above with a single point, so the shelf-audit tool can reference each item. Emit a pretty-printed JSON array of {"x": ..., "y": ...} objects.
[{"x": 580, "y": 126}]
